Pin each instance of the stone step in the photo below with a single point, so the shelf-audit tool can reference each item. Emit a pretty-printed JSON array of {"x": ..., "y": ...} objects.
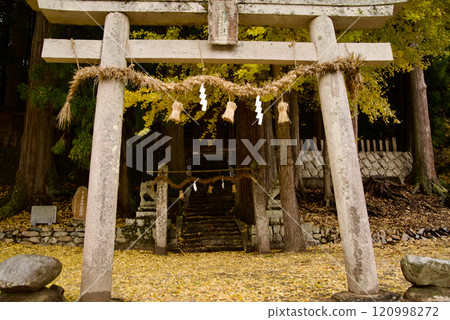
[
  {"x": 213, "y": 249},
  {"x": 191, "y": 217},
  {"x": 209, "y": 225},
  {"x": 212, "y": 242},
  {"x": 210, "y": 204},
  {"x": 211, "y": 234}
]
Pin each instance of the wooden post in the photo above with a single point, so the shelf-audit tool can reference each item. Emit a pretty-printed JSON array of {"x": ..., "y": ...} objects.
[
  {"x": 98, "y": 252},
  {"x": 350, "y": 201},
  {"x": 161, "y": 215},
  {"x": 259, "y": 203}
]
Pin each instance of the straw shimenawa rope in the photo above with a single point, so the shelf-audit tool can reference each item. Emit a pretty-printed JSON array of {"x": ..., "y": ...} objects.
[
  {"x": 350, "y": 66},
  {"x": 191, "y": 179}
]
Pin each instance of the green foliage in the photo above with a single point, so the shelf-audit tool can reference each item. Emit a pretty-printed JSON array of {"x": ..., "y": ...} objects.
[
  {"x": 81, "y": 149},
  {"x": 372, "y": 99}
]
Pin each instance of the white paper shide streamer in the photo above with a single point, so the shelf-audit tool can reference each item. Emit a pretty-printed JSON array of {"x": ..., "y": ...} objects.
[
  {"x": 259, "y": 114},
  {"x": 203, "y": 100}
]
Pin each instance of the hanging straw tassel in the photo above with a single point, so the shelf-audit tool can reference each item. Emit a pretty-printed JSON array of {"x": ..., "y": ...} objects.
[
  {"x": 181, "y": 195},
  {"x": 229, "y": 112},
  {"x": 64, "y": 116},
  {"x": 210, "y": 188},
  {"x": 233, "y": 188},
  {"x": 176, "y": 112},
  {"x": 282, "y": 112}
]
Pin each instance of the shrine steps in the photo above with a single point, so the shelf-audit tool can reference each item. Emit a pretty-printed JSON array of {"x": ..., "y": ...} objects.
[{"x": 209, "y": 225}]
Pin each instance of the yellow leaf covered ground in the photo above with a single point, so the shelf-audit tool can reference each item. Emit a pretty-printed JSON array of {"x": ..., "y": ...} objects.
[{"x": 233, "y": 276}]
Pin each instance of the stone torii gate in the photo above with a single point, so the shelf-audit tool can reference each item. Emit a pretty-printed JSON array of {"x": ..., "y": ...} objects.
[{"x": 223, "y": 17}]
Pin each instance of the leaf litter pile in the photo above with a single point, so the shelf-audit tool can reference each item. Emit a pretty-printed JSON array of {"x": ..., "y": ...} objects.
[
  {"x": 313, "y": 275},
  {"x": 390, "y": 207}
]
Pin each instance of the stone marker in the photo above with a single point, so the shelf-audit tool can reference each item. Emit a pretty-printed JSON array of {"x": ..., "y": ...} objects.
[
  {"x": 424, "y": 271},
  {"x": 28, "y": 272},
  {"x": 43, "y": 215},
  {"x": 79, "y": 203}
]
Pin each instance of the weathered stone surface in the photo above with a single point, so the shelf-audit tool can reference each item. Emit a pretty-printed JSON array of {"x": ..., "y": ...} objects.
[
  {"x": 60, "y": 234},
  {"x": 65, "y": 239},
  {"x": 43, "y": 215},
  {"x": 28, "y": 272},
  {"x": 34, "y": 239},
  {"x": 405, "y": 237},
  {"x": 427, "y": 294},
  {"x": 424, "y": 271},
  {"x": 78, "y": 240},
  {"x": 30, "y": 234},
  {"x": 52, "y": 294}
]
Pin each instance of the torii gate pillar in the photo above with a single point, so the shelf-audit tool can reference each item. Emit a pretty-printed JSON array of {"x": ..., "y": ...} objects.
[
  {"x": 98, "y": 252},
  {"x": 350, "y": 200}
]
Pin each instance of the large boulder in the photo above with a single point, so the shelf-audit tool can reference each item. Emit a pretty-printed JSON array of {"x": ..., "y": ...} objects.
[
  {"x": 28, "y": 272},
  {"x": 427, "y": 294},
  {"x": 424, "y": 271},
  {"x": 52, "y": 294}
]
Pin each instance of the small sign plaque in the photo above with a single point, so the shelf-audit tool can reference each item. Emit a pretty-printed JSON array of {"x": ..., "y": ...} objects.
[
  {"x": 223, "y": 22},
  {"x": 79, "y": 203},
  {"x": 43, "y": 215}
]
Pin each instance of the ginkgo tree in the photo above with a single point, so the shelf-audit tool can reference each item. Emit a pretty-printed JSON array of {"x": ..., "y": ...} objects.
[{"x": 417, "y": 33}]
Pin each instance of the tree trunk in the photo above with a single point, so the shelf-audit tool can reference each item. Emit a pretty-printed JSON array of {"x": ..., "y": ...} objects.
[
  {"x": 17, "y": 53},
  {"x": 295, "y": 134},
  {"x": 424, "y": 172},
  {"x": 270, "y": 155},
  {"x": 355, "y": 124},
  {"x": 33, "y": 174},
  {"x": 327, "y": 183},
  {"x": 245, "y": 130},
  {"x": 124, "y": 198},
  {"x": 293, "y": 235},
  {"x": 177, "y": 162}
]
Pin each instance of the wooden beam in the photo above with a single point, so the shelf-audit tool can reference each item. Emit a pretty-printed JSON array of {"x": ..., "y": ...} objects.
[
  {"x": 187, "y": 51},
  {"x": 365, "y": 14}
]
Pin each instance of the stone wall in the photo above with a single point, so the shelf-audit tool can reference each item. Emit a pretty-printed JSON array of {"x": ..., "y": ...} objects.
[
  {"x": 372, "y": 164},
  {"x": 314, "y": 235},
  {"x": 377, "y": 158},
  {"x": 73, "y": 235}
]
